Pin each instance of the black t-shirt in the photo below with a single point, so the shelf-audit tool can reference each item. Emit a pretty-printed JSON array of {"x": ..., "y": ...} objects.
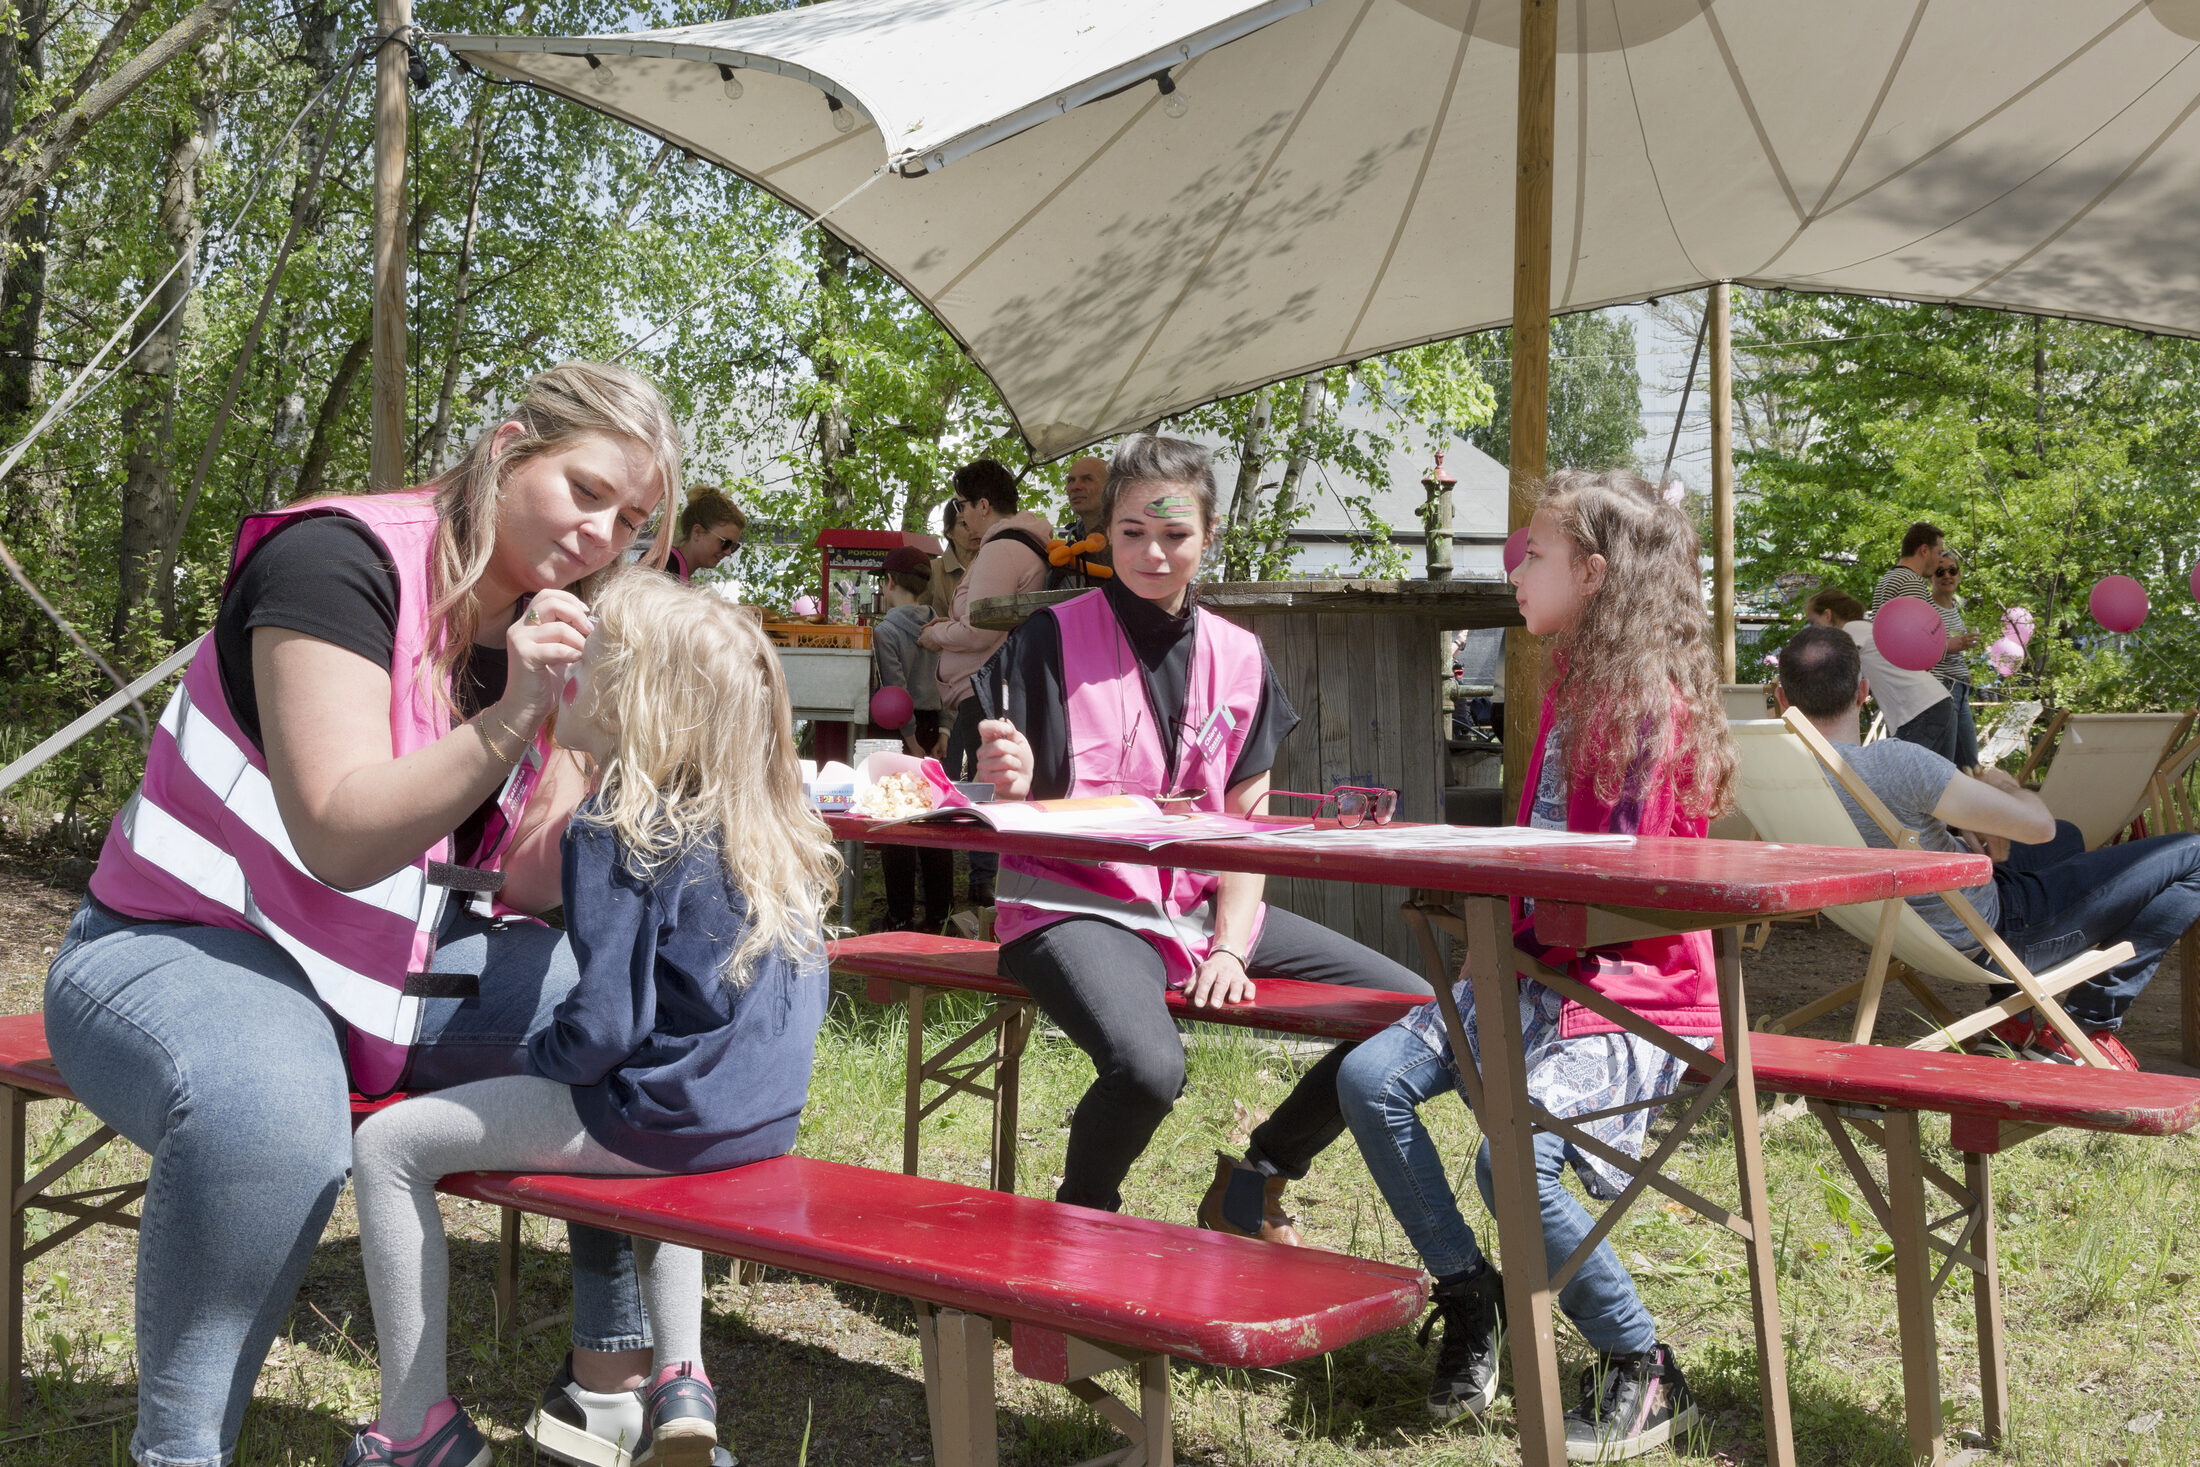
[
  {"x": 330, "y": 577},
  {"x": 1025, "y": 679}
]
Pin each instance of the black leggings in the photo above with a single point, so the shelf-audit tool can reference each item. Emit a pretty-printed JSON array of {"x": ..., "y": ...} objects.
[{"x": 1105, "y": 986}]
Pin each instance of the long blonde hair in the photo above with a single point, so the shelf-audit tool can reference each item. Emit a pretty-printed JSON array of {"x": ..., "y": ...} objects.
[
  {"x": 572, "y": 400},
  {"x": 1637, "y": 672},
  {"x": 705, "y": 752}
]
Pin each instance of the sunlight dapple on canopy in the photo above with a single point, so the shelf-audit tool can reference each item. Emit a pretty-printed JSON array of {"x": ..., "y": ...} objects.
[{"x": 1330, "y": 179}]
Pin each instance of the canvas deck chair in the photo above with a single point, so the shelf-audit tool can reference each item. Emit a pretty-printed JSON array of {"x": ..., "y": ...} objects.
[
  {"x": 1780, "y": 783},
  {"x": 2102, "y": 775}
]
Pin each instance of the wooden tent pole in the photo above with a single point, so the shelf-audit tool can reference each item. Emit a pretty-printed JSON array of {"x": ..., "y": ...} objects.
[
  {"x": 1719, "y": 315},
  {"x": 1528, "y": 1297},
  {"x": 1531, "y": 352},
  {"x": 386, "y": 458}
]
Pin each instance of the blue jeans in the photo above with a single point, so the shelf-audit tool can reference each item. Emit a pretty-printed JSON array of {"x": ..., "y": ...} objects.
[
  {"x": 2144, "y": 892},
  {"x": 1966, "y": 730},
  {"x": 1381, "y": 1088},
  {"x": 207, "y": 1049}
]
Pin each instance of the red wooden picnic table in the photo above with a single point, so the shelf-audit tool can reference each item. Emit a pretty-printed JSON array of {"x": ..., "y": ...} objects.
[{"x": 1586, "y": 895}]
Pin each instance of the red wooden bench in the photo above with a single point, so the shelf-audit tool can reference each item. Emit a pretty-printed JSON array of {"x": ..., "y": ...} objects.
[
  {"x": 1855, "y": 1090},
  {"x": 1077, "y": 1292},
  {"x": 906, "y": 967}
]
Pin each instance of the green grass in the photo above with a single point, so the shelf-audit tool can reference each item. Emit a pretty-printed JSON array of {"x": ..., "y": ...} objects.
[{"x": 2099, "y": 1259}]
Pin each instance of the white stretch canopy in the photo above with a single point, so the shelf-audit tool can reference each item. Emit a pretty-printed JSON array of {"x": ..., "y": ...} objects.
[{"x": 1339, "y": 181}]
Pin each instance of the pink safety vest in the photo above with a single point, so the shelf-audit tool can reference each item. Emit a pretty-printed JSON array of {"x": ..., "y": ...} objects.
[
  {"x": 1115, "y": 748},
  {"x": 677, "y": 563},
  {"x": 201, "y": 840}
]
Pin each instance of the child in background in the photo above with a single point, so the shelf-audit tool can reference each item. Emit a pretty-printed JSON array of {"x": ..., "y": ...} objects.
[
  {"x": 899, "y": 660},
  {"x": 1632, "y": 740},
  {"x": 695, "y": 882}
]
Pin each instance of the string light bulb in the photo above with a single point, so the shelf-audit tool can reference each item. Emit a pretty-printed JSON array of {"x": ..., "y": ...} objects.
[
  {"x": 1171, "y": 102},
  {"x": 843, "y": 119},
  {"x": 733, "y": 83}
]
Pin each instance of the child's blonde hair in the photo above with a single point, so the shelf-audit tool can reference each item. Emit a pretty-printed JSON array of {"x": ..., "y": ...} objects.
[
  {"x": 704, "y": 750},
  {"x": 1639, "y": 660}
]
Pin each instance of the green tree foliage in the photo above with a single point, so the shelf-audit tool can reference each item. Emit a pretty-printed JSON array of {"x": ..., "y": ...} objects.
[
  {"x": 1595, "y": 398},
  {"x": 538, "y": 231},
  {"x": 2051, "y": 453}
]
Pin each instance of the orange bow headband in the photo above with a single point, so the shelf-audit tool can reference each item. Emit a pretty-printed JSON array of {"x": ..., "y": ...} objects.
[{"x": 1062, "y": 552}]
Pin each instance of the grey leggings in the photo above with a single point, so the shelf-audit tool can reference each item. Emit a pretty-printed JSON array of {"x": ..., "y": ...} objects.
[{"x": 514, "y": 1123}]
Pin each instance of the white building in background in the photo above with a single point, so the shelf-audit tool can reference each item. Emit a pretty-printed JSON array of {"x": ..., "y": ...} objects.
[{"x": 1322, "y": 543}]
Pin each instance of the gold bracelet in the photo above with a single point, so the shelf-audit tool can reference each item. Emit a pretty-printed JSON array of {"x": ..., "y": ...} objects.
[
  {"x": 490, "y": 744},
  {"x": 524, "y": 739}
]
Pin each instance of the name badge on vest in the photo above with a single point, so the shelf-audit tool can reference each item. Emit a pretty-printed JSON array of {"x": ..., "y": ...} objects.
[
  {"x": 503, "y": 823},
  {"x": 1219, "y": 726}
]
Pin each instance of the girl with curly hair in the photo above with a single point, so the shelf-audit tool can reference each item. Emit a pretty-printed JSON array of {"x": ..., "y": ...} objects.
[{"x": 1632, "y": 740}]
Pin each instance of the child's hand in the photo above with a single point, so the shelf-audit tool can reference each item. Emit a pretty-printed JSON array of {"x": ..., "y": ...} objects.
[
  {"x": 1004, "y": 759},
  {"x": 543, "y": 644}
]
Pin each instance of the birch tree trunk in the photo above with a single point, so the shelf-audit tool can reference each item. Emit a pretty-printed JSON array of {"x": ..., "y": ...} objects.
[
  {"x": 1237, "y": 560},
  {"x": 1313, "y": 395},
  {"x": 148, "y": 421}
]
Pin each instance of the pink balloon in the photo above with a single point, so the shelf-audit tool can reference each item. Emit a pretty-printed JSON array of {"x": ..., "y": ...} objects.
[
  {"x": 891, "y": 707},
  {"x": 804, "y": 606},
  {"x": 2118, "y": 603},
  {"x": 2005, "y": 656},
  {"x": 1516, "y": 550},
  {"x": 1909, "y": 633},
  {"x": 2016, "y": 625}
]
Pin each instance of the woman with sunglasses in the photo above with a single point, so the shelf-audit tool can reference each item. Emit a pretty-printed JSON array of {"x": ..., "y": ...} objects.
[
  {"x": 1954, "y": 669},
  {"x": 1135, "y": 689},
  {"x": 710, "y": 531}
]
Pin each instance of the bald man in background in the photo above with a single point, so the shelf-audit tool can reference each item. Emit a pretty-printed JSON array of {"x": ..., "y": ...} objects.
[{"x": 1084, "y": 484}]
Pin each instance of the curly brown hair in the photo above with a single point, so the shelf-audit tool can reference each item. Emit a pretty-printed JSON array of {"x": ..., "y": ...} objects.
[{"x": 1640, "y": 657}]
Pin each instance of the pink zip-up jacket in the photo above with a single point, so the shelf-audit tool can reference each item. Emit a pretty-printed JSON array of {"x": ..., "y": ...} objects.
[
  {"x": 1000, "y": 568},
  {"x": 1670, "y": 981}
]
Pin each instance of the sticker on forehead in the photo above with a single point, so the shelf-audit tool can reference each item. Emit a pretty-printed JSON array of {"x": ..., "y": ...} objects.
[{"x": 1170, "y": 507}]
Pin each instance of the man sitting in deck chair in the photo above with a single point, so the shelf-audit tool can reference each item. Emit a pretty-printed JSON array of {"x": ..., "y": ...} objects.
[{"x": 2050, "y": 898}]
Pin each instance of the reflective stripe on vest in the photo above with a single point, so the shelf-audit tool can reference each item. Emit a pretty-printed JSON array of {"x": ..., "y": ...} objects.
[
  {"x": 161, "y": 839},
  {"x": 204, "y": 841},
  {"x": 1116, "y": 747}
]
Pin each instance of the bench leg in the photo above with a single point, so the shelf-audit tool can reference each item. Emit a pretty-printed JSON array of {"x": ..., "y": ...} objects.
[
  {"x": 1008, "y": 1065},
  {"x": 12, "y": 1118},
  {"x": 1069, "y": 1362},
  {"x": 912, "y": 1100},
  {"x": 507, "y": 1279},
  {"x": 958, "y": 1385},
  {"x": 1913, "y": 1287},
  {"x": 2188, "y": 986},
  {"x": 1993, "y": 1365},
  {"x": 1749, "y": 1165}
]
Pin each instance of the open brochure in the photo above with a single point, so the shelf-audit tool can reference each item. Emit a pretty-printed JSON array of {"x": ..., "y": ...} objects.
[
  {"x": 1435, "y": 837},
  {"x": 898, "y": 789},
  {"x": 1132, "y": 819}
]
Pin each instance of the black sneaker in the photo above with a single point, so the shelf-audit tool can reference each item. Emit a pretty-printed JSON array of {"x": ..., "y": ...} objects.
[
  {"x": 1630, "y": 1404},
  {"x": 1473, "y": 1315},
  {"x": 680, "y": 1428},
  {"x": 456, "y": 1444},
  {"x": 606, "y": 1431}
]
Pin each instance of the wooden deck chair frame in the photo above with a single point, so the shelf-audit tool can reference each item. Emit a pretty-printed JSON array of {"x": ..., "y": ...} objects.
[
  {"x": 2035, "y": 991},
  {"x": 2169, "y": 805},
  {"x": 2106, "y": 808}
]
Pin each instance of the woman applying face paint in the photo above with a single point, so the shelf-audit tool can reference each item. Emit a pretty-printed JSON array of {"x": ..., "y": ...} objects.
[{"x": 1134, "y": 688}]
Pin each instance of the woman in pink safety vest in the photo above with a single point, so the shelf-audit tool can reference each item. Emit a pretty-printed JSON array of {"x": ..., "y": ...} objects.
[
  {"x": 1134, "y": 688},
  {"x": 319, "y": 884},
  {"x": 710, "y": 531}
]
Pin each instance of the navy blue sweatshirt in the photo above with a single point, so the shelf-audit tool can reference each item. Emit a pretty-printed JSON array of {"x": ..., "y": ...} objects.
[{"x": 671, "y": 1066}]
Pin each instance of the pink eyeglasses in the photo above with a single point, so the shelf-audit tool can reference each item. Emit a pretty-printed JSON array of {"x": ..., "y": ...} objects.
[{"x": 1348, "y": 806}]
